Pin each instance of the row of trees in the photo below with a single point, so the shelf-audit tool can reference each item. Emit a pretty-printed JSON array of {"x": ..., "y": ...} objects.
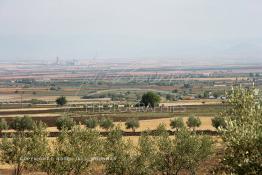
[
  {"x": 19, "y": 124},
  {"x": 91, "y": 123},
  {"x": 80, "y": 150},
  {"x": 192, "y": 122},
  {"x": 131, "y": 123},
  {"x": 26, "y": 123}
]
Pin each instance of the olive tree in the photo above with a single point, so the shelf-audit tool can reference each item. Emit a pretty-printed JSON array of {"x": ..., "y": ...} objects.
[
  {"x": 38, "y": 147},
  {"x": 64, "y": 122},
  {"x": 243, "y": 132},
  {"x": 218, "y": 122},
  {"x": 91, "y": 123},
  {"x": 74, "y": 151},
  {"x": 193, "y": 122},
  {"x": 177, "y": 123},
  {"x": 191, "y": 150},
  {"x": 13, "y": 151},
  {"x": 144, "y": 156},
  {"x": 132, "y": 124},
  {"x": 165, "y": 159},
  {"x": 119, "y": 152},
  {"x": 106, "y": 123},
  {"x": 22, "y": 123},
  {"x": 185, "y": 152},
  {"x": 3, "y": 125},
  {"x": 24, "y": 148}
]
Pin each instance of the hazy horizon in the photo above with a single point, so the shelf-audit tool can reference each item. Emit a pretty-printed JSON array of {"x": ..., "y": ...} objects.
[{"x": 218, "y": 31}]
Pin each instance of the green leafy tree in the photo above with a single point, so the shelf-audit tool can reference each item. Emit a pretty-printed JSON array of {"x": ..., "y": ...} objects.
[
  {"x": 91, "y": 123},
  {"x": 73, "y": 152},
  {"x": 184, "y": 153},
  {"x": 106, "y": 123},
  {"x": 64, "y": 122},
  {"x": 61, "y": 101},
  {"x": 177, "y": 123},
  {"x": 38, "y": 147},
  {"x": 24, "y": 148},
  {"x": 3, "y": 125},
  {"x": 193, "y": 122},
  {"x": 14, "y": 151},
  {"x": 132, "y": 124},
  {"x": 150, "y": 99},
  {"x": 144, "y": 156},
  {"x": 191, "y": 150},
  {"x": 164, "y": 160},
  {"x": 243, "y": 132},
  {"x": 120, "y": 153},
  {"x": 218, "y": 122},
  {"x": 81, "y": 145},
  {"x": 22, "y": 123}
]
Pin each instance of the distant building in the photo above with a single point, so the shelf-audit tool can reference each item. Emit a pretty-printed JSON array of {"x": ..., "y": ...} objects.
[{"x": 57, "y": 61}]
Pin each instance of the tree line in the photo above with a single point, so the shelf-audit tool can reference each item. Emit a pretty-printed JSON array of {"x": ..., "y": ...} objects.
[
  {"x": 26, "y": 123},
  {"x": 81, "y": 150}
]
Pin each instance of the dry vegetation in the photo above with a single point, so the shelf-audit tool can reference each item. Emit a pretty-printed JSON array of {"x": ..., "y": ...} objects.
[{"x": 190, "y": 90}]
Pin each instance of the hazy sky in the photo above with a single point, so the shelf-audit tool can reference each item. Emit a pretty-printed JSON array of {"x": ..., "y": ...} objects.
[{"x": 130, "y": 28}]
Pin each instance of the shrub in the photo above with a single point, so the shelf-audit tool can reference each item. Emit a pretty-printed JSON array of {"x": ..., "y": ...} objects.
[
  {"x": 218, "y": 122},
  {"x": 3, "y": 125},
  {"x": 132, "y": 124},
  {"x": 177, "y": 123},
  {"x": 61, "y": 101},
  {"x": 64, "y": 122},
  {"x": 106, "y": 123},
  {"x": 193, "y": 122},
  {"x": 184, "y": 153},
  {"x": 22, "y": 123},
  {"x": 37, "y": 101},
  {"x": 91, "y": 123}
]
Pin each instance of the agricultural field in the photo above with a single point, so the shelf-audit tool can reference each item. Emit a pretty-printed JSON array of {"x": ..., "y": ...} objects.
[
  {"x": 96, "y": 87},
  {"x": 115, "y": 94}
]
